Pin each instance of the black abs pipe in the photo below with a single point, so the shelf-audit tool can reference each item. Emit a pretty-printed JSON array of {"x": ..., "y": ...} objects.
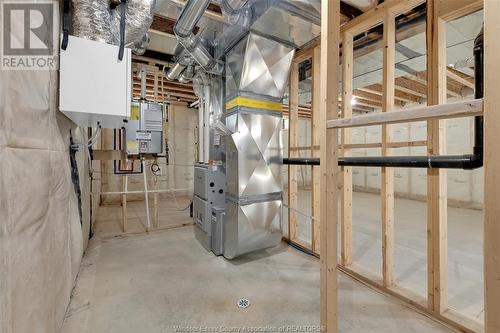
[
  {"x": 301, "y": 161},
  {"x": 479, "y": 93},
  {"x": 466, "y": 162}
]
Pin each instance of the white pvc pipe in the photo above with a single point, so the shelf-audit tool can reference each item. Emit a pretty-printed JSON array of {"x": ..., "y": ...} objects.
[
  {"x": 126, "y": 184},
  {"x": 200, "y": 132},
  {"x": 143, "y": 82},
  {"x": 206, "y": 124},
  {"x": 146, "y": 193},
  {"x": 142, "y": 192}
]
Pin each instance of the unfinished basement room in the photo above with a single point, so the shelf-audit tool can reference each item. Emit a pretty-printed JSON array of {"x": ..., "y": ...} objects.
[{"x": 173, "y": 166}]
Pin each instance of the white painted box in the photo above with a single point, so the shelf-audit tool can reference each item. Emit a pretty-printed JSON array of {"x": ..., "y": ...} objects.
[{"x": 95, "y": 86}]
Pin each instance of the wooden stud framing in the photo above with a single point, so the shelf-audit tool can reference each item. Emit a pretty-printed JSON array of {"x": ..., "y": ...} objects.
[
  {"x": 387, "y": 176},
  {"x": 293, "y": 124},
  {"x": 436, "y": 178},
  {"x": 156, "y": 220},
  {"x": 124, "y": 203},
  {"x": 346, "y": 193},
  {"x": 330, "y": 40},
  {"x": 315, "y": 141},
  {"x": 434, "y": 80},
  {"x": 376, "y": 15},
  {"x": 420, "y": 113},
  {"x": 457, "y": 8},
  {"x": 492, "y": 166}
]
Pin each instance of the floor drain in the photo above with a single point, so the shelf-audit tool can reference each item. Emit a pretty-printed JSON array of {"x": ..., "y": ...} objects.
[{"x": 243, "y": 303}]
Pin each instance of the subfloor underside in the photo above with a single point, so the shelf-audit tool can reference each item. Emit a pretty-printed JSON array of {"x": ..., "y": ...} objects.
[{"x": 165, "y": 281}]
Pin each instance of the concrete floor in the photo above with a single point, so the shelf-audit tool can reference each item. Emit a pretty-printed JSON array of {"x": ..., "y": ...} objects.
[
  {"x": 465, "y": 247},
  {"x": 158, "y": 281},
  {"x": 173, "y": 211}
]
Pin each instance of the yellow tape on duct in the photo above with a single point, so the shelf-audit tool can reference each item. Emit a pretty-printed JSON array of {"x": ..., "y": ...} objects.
[
  {"x": 254, "y": 104},
  {"x": 134, "y": 112}
]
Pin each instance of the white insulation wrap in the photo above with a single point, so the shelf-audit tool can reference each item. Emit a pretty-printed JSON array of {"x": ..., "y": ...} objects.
[
  {"x": 41, "y": 241},
  {"x": 93, "y": 19}
]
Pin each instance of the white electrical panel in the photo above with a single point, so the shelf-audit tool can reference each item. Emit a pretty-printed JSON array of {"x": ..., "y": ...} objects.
[{"x": 94, "y": 85}]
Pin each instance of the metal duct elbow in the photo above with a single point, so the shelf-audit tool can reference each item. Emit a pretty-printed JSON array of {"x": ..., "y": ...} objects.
[
  {"x": 200, "y": 80},
  {"x": 174, "y": 71},
  {"x": 232, "y": 6},
  {"x": 94, "y": 20},
  {"x": 183, "y": 29},
  {"x": 200, "y": 54},
  {"x": 232, "y": 10},
  {"x": 190, "y": 15},
  {"x": 187, "y": 75}
]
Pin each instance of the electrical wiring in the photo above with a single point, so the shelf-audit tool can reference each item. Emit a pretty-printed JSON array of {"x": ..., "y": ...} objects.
[{"x": 91, "y": 141}]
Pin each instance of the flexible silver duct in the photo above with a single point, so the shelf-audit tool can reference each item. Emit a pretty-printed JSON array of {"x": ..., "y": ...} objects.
[
  {"x": 138, "y": 18},
  {"x": 93, "y": 19}
]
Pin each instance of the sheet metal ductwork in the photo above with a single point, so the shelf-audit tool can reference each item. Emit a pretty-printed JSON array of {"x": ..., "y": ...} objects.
[
  {"x": 257, "y": 70},
  {"x": 233, "y": 5},
  {"x": 187, "y": 75},
  {"x": 183, "y": 29},
  {"x": 290, "y": 21},
  {"x": 95, "y": 20},
  {"x": 174, "y": 71},
  {"x": 245, "y": 107},
  {"x": 232, "y": 9}
]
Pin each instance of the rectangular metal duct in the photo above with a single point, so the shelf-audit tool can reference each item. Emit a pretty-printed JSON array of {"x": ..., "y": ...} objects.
[
  {"x": 291, "y": 22},
  {"x": 294, "y": 21},
  {"x": 257, "y": 50},
  {"x": 258, "y": 65},
  {"x": 257, "y": 70}
]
